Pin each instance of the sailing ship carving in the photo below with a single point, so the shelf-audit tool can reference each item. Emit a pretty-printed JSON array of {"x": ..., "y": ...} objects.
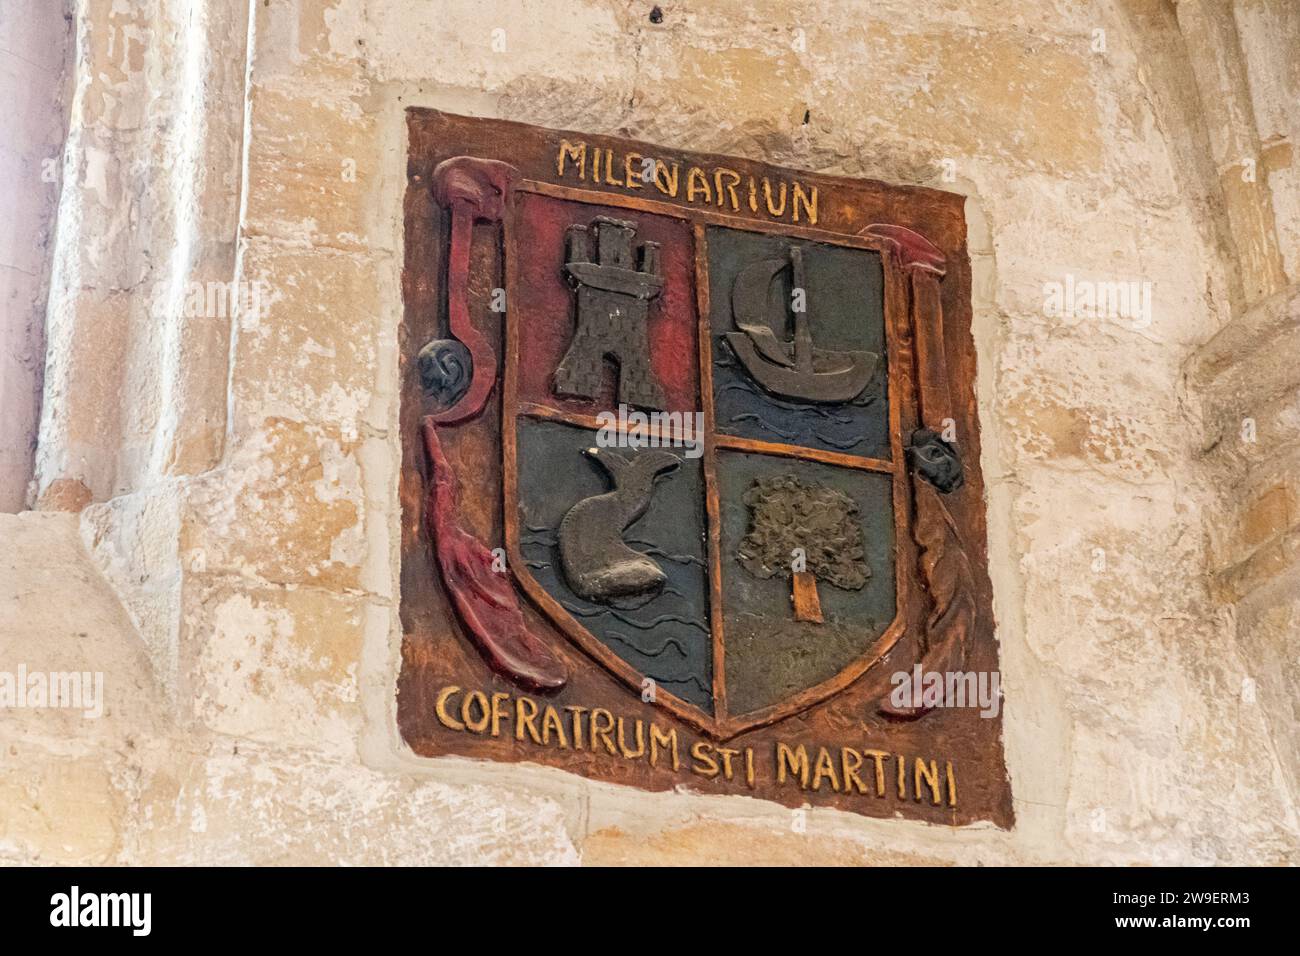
[{"x": 795, "y": 367}]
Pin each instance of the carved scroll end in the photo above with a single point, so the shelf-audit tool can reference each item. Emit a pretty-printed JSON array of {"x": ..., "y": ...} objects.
[
  {"x": 912, "y": 250},
  {"x": 460, "y": 371},
  {"x": 484, "y": 185},
  {"x": 935, "y": 460},
  {"x": 445, "y": 371},
  {"x": 481, "y": 589},
  {"x": 945, "y": 568}
]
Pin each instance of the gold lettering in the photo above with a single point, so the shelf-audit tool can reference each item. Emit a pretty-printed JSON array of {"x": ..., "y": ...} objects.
[
  {"x": 668, "y": 182},
  {"x": 480, "y": 712},
  {"x": 440, "y": 708},
  {"x": 809, "y": 200},
  {"x": 931, "y": 776},
  {"x": 850, "y": 773},
  {"x": 602, "y": 733},
  {"x": 796, "y": 761},
  {"x": 721, "y": 189},
  {"x": 776, "y": 212},
  {"x": 825, "y": 767},
  {"x": 578, "y": 154},
  {"x": 577, "y": 725},
  {"x": 730, "y": 188},
  {"x": 526, "y": 721},
  {"x": 660, "y": 739},
  {"x": 726, "y": 760},
  {"x": 634, "y": 179},
  {"x": 700, "y": 751},
  {"x": 696, "y": 176},
  {"x": 640, "y": 741},
  {"x": 879, "y": 757},
  {"x": 551, "y": 722},
  {"x": 498, "y": 712},
  {"x": 480, "y": 699}
]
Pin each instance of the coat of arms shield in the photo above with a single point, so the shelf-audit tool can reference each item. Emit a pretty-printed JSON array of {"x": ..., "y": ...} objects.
[
  {"x": 691, "y": 424},
  {"x": 700, "y": 454}
]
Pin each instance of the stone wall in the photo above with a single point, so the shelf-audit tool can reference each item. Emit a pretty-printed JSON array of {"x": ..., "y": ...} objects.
[
  {"x": 34, "y": 52},
  {"x": 240, "y": 459}
]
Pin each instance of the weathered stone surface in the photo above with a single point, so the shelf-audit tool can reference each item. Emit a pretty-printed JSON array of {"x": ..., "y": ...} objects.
[
  {"x": 238, "y": 804},
  {"x": 58, "y": 615},
  {"x": 306, "y": 181},
  {"x": 239, "y": 471},
  {"x": 724, "y": 844},
  {"x": 310, "y": 352},
  {"x": 279, "y": 665},
  {"x": 35, "y": 43},
  {"x": 287, "y": 509},
  {"x": 57, "y": 809}
]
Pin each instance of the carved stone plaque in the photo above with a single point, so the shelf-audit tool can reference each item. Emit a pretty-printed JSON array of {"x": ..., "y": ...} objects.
[{"x": 691, "y": 490}]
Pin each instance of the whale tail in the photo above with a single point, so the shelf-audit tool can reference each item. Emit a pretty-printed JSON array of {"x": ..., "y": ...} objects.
[{"x": 633, "y": 478}]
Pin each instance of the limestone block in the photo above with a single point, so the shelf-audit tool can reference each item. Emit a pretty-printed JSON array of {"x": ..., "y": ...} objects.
[
  {"x": 1250, "y": 383},
  {"x": 295, "y": 39},
  {"x": 726, "y": 844},
  {"x": 287, "y": 509},
  {"x": 1176, "y": 806},
  {"x": 464, "y": 43},
  {"x": 239, "y": 804},
  {"x": 279, "y": 666},
  {"x": 115, "y": 50},
  {"x": 1264, "y": 515},
  {"x": 57, "y": 809},
  {"x": 63, "y": 770},
  {"x": 308, "y": 351},
  {"x": 58, "y": 615},
  {"x": 1074, "y": 407},
  {"x": 134, "y": 542},
  {"x": 312, "y": 166},
  {"x": 1269, "y": 628},
  {"x": 1136, "y": 290},
  {"x": 80, "y": 433},
  {"x": 1272, "y": 562},
  {"x": 1261, "y": 374}
]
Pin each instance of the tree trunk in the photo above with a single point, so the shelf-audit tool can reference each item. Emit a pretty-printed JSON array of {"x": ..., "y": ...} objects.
[{"x": 803, "y": 592}]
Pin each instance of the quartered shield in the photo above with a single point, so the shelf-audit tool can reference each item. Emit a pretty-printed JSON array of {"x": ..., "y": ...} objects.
[{"x": 703, "y": 455}]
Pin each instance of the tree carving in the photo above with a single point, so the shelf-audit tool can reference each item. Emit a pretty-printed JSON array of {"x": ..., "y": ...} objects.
[{"x": 806, "y": 532}]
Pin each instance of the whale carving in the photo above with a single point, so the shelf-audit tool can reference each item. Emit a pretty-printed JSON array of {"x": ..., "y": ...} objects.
[{"x": 597, "y": 563}]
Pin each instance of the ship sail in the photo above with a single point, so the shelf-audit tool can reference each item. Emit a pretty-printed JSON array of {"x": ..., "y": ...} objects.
[{"x": 795, "y": 368}]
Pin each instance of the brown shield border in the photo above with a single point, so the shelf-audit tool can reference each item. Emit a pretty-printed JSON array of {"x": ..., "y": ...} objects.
[{"x": 904, "y": 420}]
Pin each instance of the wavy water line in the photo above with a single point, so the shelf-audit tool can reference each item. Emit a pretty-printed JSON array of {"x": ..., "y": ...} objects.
[
  {"x": 658, "y": 552},
  {"x": 632, "y": 622},
  {"x": 669, "y": 641},
  {"x": 692, "y": 679},
  {"x": 671, "y": 618},
  {"x": 830, "y": 413},
  {"x": 836, "y": 443},
  {"x": 754, "y": 416}
]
